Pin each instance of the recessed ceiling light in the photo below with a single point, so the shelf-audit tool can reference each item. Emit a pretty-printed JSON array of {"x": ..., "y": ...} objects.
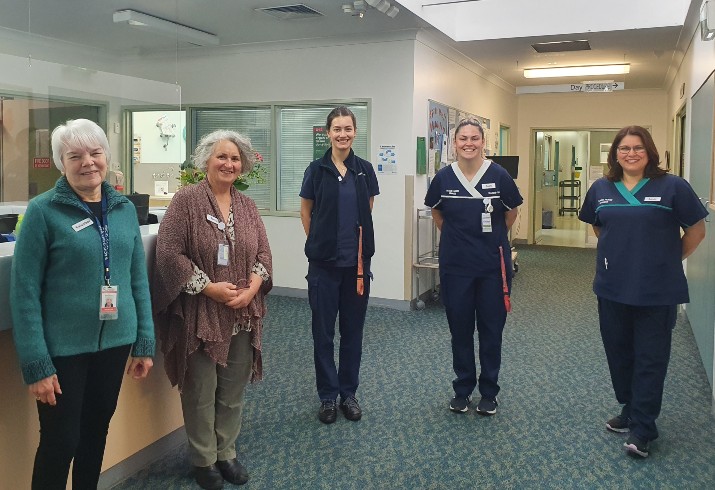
[{"x": 577, "y": 71}]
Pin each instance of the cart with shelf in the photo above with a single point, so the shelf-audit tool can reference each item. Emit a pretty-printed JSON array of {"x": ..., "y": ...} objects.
[
  {"x": 426, "y": 260},
  {"x": 569, "y": 196}
]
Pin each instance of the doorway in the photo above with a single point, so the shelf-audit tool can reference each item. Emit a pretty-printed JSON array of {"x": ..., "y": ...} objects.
[{"x": 566, "y": 162}]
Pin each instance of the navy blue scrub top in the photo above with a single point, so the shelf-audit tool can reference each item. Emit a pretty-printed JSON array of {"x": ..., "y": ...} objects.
[
  {"x": 639, "y": 254},
  {"x": 347, "y": 222},
  {"x": 465, "y": 249}
]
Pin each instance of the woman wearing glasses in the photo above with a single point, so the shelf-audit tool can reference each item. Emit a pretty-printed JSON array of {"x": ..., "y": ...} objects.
[
  {"x": 474, "y": 204},
  {"x": 637, "y": 211}
]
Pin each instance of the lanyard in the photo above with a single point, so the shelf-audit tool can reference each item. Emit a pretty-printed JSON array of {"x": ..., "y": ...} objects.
[
  {"x": 103, "y": 234},
  {"x": 505, "y": 286}
]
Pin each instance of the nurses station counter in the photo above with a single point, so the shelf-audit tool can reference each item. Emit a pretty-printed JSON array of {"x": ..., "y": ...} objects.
[{"x": 143, "y": 427}]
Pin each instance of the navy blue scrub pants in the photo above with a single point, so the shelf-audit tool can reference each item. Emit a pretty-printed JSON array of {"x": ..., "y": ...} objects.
[
  {"x": 466, "y": 300},
  {"x": 76, "y": 428},
  {"x": 332, "y": 291},
  {"x": 637, "y": 342}
]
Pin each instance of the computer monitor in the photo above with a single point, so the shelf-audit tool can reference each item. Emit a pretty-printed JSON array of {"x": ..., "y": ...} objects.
[
  {"x": 141, "y": 203},
  {"x": 510, "y": 163}
]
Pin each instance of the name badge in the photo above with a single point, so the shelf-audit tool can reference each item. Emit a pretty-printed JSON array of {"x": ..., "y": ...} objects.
[
  {"x": 213, "y": 219},
  {"x": 486, "y": 222},
  {"x": 652, "y": 199},
  {"x": 490, "y": 185},
  {"x": 108, "y": 309},
  {"x": 223, "y": 250},
  {"x": 81, "y": 225}
]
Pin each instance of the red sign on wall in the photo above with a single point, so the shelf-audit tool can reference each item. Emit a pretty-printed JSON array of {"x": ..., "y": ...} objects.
[{"x": 41, "y": 163}]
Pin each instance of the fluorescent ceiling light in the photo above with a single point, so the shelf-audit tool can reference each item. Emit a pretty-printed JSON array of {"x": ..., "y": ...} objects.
[
  {"x": 163, "y": 26},
  {"x": 577, "y": 71}
]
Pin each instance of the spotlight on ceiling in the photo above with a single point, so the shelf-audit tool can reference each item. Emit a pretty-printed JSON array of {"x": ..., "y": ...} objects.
[
  {"x": 385, "y": 7},
  {"x": 166, "y": 27}
]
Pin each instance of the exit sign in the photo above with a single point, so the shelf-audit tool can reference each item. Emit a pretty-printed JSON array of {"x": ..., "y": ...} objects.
[{"x": 41, "y": 163}]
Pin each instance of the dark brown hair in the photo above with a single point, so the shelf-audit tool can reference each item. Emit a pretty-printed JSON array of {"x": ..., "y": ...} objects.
[
  {"x": 468, "y": 121},
  {"x": 615, "y": 171},
  {"x": 340, "y": 111}
]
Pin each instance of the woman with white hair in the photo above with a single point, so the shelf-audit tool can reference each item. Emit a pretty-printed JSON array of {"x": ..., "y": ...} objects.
[
  {"x": 213, "y": 270},
  {"x": 80, "y": 248}
]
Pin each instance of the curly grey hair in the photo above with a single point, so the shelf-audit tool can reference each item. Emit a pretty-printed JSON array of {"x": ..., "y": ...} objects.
[
  {"x": 206, "y": 146},
  {"x": 75, "y": 134}
]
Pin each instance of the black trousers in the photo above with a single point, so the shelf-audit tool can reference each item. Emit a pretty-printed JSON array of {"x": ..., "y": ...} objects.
[
  {"x": 76, "y": 428},
  {"x": 332, "y": 291},
  {"x": 470, "y": 302},
  {"x": 637, "y": 342}
]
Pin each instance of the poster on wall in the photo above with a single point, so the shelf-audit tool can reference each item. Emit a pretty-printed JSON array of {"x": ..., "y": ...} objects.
[
  {"x": 321, "y": 142},
  {"x": 387, "y": 159},
  {"x": 443, "y": 121}
]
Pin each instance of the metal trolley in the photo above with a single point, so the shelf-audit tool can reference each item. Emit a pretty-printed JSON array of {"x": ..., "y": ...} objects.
[
  {"x": 569, "y": 196},
  {"x": 427, "y": 260}
]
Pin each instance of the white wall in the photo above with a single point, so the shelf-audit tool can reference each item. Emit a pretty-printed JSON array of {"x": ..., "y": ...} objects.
[{"x": 379, "y": 70}]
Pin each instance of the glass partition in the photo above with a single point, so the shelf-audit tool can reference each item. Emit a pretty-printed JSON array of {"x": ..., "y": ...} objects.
[{"x": 45, "y": 81}]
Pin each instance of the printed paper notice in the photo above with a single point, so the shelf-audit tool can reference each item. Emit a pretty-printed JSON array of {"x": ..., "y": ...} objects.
[{"x": 387, "y": 159}]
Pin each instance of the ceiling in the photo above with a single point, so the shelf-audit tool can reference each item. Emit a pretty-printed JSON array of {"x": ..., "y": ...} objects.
[{"x": 653, "y": 52}]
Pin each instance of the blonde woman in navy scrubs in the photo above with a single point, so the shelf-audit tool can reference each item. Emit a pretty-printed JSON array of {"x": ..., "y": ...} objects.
[
  {"x": 474, "y": 203},
  {"x": 637, "y": 211}
]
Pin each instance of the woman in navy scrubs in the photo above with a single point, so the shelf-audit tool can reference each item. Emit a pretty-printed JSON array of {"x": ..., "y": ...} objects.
[
  {"x": 474, "y": 203},
  {"x": 336, "y": 210},
  {"x": 637, "y": 211}
]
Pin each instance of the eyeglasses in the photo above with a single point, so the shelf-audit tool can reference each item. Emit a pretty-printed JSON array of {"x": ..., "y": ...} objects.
[{"x": 625, "y": 150}]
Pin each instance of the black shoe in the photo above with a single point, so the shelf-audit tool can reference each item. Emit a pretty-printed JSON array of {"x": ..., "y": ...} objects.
[
  {"x": 487, "y": 406},
  {"x": 351, "y": 408},
  {"x": 208, "y": 477},
  {"x": 328, "y": 412},
  {"x": 636, "y": 446},
  {"x": 618, "y": 424},
  {"x": 460, "y": 404},
  {"x": 233, "y": 471}
]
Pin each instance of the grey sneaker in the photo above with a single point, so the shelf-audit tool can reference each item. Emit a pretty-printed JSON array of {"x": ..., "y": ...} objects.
[
  {"x": 636, "y": 446},
  {"x": 487, "y": 406},
  {"x": 619, "y": 424},
  {"x": 460, "y": 404}
]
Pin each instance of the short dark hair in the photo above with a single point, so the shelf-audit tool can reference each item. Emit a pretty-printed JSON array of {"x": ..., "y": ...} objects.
[
  {"x": 340, "y": 111},
  {"x": 468, "y": 121},
  {"x": 652, "y": 169}
]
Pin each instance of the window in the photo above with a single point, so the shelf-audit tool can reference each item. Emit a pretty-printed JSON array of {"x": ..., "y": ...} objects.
[{"x": 287, "y": 155}]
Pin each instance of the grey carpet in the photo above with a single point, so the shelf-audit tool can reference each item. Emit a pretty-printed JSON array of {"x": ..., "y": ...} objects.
[{"x": 549, "y": 431}]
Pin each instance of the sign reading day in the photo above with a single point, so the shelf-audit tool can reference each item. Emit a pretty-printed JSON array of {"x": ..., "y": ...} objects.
[{"x": 596, "y": 87}]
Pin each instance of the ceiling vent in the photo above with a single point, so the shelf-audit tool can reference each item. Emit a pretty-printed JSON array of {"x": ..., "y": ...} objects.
[
  {"x": 561, "y": 46},
  {"x": 291, "y": 12}
]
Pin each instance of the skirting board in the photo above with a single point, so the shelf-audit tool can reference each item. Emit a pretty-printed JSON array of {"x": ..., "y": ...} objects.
[
  {"x": 136, "y": 462},
  {"x": 395, "y": 304}
]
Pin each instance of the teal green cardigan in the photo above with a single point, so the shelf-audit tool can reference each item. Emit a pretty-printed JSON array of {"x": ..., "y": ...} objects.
[{"x": 56, "y": 279}]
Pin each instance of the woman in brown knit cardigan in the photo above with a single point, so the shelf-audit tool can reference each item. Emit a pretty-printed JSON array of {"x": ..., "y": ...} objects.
[{"x": 212, "y": 272}]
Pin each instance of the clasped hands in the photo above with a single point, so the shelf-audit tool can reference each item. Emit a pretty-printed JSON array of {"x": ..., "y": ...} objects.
[{"x": 229, "y": 294}]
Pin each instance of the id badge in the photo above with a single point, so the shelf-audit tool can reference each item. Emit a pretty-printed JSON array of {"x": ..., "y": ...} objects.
[
  {"x": 486, "y": 222},
  {"x": 108, "y": 309},
  {"x": 222, "y": 256}
]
